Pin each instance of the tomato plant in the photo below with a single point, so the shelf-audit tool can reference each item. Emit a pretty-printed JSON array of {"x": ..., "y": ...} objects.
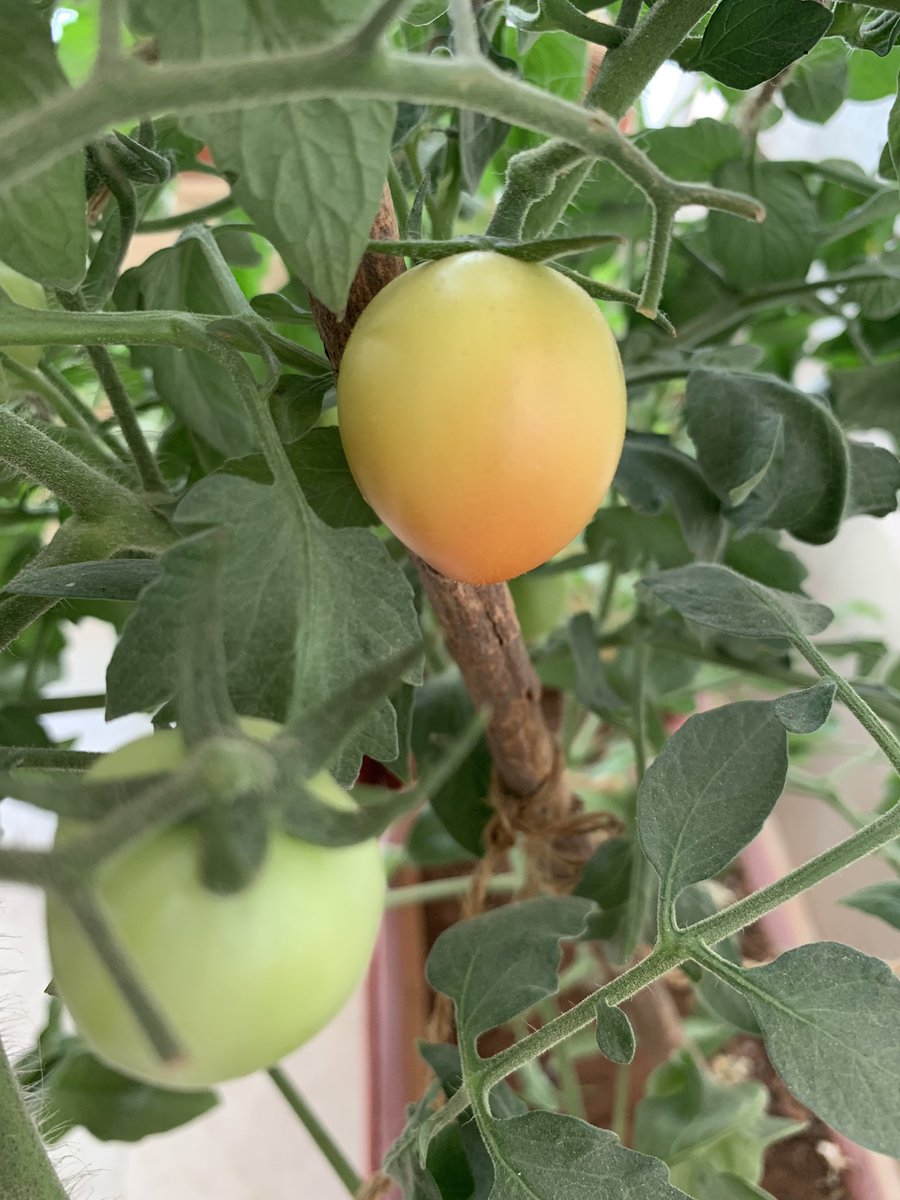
[
  {"x": 271, "y": 949},
  {"x": 328, "y": 320},
  {"x": 482, "y": 410}
]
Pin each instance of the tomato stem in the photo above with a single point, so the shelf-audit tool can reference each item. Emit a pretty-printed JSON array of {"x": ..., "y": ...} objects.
[
  {"x": 317, "y": 1131},
  {"x": 25, "y": 1169}
]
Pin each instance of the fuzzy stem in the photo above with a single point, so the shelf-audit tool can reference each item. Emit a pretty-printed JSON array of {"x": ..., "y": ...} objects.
[
  {"x": 25, "y": 1169},
  {"x": 121, "y": 405}
]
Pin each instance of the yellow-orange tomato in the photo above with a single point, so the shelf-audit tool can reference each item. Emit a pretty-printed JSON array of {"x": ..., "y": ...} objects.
[{"x": 482, "y": 411}]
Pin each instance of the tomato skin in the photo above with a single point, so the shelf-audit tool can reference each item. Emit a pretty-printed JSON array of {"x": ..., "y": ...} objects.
[
  {"x": 542, "y": 602},
  {"x": 244, "y": 979},
  {"x": 28, "y": 293},
  {"x": 482, "y": 411}
]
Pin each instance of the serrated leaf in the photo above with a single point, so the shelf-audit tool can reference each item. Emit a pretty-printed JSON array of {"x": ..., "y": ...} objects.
[
  {"x": 806, "y": 711},
  {"x": 784, "y": 244},
  {"x": 545, "y": 1156},
  {"x": 43, "y": 231},
  {"x": 652, "y": 472},
  {"x": 194, "y": 385},
  {"x": 310, "y": 173},
  {"x": 831, "y": 1021},
  {"x": 874, "y": 480},
  {"x": 777, "y": 455},
  {"x": 111, "y": 579},
  {"x": 746, "y": 42},
  {"x": 721, "y": 599},
  {"x": 708, "y": 792},
  {"x": 880, "y": 900},
  {"x": 615, "y": 1037},
  {"x": 298, "y": 626},
  {"x": 503, "y": 962}
]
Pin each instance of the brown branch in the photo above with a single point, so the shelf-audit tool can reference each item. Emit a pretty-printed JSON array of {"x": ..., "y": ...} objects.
[{"x": 479, "y": 623}]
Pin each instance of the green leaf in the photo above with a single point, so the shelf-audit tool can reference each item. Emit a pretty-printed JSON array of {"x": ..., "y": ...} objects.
[
  {"x": 442, "y": 710},
  {"x": 591, "y": 684},
  {"x": 652, "y": 472},
  {"x": 869, "y": 28},
  {"x": 866, "y": 398},
  {"x": 615, "y": 1037},
  {"x": 319, "y": 462},
  {"x": 806, "y": 711},
  {"x": 746, "y": 42},
  {"x": 403, "y": 1160},
  {"x": 708, "y": 792},
  {"x": 872, "y": 77},
  {"x": 445, "y": 1061},
  {"x": 298, "y": 628},
  {"x": 721, "y": 599},
  {"x": 709, "y": 1184},
  {"x": 777, "y": 455},
  {"x": 43, "y": 231},
  {"x": 818, "y": 84},
  {"x": 632, "y": 540},
  {"x": 545, "y": 1156},
  {"x": 878, "y": 298},
  {"x": 759, "y": 556},
  {"x": 831, "y": 1020},
  {"x": 81, "y": 1090},
  {"x": 894, "y": 132},
  {"x": 784, "y": 244},
  {"x": 605, "y": 876},
  {"x": 112, "y": 579},
  {"x": 878, "y": 900},
  {"x": 296, "y": 404},
  {"x": 503, "y": 962},
  {"x": 692, "y": 1121},
  {"x": 692, "y": 152},
  {"x": 196, "y": 387},
  {"x": 874, "y": 480},
  {"x": 310, "y": 173}
]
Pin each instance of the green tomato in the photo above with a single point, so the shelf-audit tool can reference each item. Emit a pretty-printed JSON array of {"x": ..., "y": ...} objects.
[
  {"x": 24, "y": 291},
  {"x": 243, "y": 979},
  {"x": 541, "y": 603}
]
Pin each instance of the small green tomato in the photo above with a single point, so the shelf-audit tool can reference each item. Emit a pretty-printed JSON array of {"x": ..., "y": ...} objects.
[
  {"x": 541, "y": 603},
  {"x": 243, "y": 979}
]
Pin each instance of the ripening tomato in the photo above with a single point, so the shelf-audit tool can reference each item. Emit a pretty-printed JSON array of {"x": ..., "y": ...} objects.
[
  {"x": 482, "y": 411},
  {"x": 28, "y": 293},
  {"x": 243, "y": 979}
]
